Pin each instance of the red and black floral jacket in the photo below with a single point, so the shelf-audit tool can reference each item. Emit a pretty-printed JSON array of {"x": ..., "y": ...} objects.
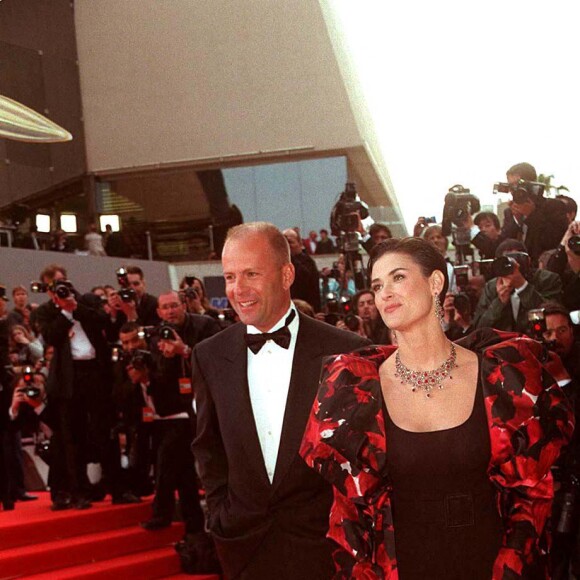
[{"x": 529, "y": 421}]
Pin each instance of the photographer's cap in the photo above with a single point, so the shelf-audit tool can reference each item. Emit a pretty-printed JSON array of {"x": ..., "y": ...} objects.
[{"x": 3, "y": 293}]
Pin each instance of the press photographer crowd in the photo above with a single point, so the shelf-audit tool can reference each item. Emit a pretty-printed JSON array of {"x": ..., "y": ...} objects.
[{"x": 105, "y": 376}]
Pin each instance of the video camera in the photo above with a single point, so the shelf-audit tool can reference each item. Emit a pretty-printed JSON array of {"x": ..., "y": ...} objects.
[
  {"x": 139, "y": 359},
  {"x": 62, "y": 288},
  {"x": 345, "y": 217},
  {"x": 522, "y": 190},
  {"x": 29, "y": 389},
  {"x": 125, "y": 291},
  {"x": 460, "y": 203}
]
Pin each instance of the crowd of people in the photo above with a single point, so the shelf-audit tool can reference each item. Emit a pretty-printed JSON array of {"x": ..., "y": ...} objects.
[{"x": 125, "y": 379}]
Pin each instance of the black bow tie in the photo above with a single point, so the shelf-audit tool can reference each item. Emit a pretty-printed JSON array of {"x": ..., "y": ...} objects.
[{"x": 281, "y": 336}]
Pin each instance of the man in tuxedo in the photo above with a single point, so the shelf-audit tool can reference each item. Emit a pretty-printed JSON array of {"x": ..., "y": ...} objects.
[
  {"x": 78, "y": 387},
  {"x": 254, "y": 385}
]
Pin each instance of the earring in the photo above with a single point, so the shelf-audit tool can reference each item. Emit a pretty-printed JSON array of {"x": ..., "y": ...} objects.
[{"x": 438, "y": 308}]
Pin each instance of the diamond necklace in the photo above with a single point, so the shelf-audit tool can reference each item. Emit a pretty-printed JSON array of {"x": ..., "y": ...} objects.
[{"x": 426, "y": 380}]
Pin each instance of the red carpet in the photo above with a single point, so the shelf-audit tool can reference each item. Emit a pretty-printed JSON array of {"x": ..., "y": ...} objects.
[{"x": 105, "y": 541}]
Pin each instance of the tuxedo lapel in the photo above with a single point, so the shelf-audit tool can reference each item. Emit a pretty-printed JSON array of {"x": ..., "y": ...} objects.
[
  {"x": 306, "y": 368},
  {"x": 238, "y": 393}
]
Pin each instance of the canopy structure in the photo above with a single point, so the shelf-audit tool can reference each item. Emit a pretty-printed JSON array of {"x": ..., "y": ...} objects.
[{"x": 20, "y": 123}]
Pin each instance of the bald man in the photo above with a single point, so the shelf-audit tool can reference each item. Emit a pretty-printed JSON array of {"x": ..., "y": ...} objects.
[{"x": 254, "y": 386}]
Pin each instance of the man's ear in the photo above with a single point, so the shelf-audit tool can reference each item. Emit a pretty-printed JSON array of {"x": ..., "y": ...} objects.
[{"x": 288, "y": 274}]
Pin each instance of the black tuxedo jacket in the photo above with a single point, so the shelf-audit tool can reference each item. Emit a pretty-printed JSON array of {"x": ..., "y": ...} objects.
[
  {"x": 282, "y": 523},
  {"x": 55, "y": 328}
]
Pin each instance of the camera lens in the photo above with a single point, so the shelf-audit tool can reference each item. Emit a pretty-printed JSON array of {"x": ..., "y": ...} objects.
[
  {"x": 574, "y": 244},
  {"x": 503, "y": 266}
]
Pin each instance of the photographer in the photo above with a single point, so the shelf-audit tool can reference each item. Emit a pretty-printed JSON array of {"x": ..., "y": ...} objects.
[
  {"x": 566, "y": 262},
  {"x": 78, "y": 387},
  {"x": 541, "y": 221},
  {"x": 171, "y": 398},
  {"x": 131, "y": 303},
  {"x": 559, "y": 337},
  {"x": 27, "y": 409},
  {"x": 485, "y": 233},
  {"x": 514, "y": 290},
  {"x": 192, "y": 292},
  {"x": 457, "y": 316}
]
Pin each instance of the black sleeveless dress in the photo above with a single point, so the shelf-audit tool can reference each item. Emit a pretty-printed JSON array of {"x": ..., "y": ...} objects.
[{"x": 447, "y": 526}]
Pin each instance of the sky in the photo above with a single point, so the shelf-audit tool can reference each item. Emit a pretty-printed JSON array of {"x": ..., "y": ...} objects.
[{"x": 460, "y": 92}]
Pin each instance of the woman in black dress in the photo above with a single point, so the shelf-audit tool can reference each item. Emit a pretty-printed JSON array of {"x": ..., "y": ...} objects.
[{"x": 439, "y": 453}]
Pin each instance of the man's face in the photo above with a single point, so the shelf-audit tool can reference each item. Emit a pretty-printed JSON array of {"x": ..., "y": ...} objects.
[
  {"x": 323, "y": 235},
  {"x": 257, "y": 284},
  {"x": 313, "y": 235},
  {"x": 171, "y": 309},
  {"x": 489, "y": 229},
  {"x": 366, "y": 307},
  {"x": 380, "y": 236},
  {"x": 132, "y": 341},
  {"x": 20, "y": 299},
  {"x": 293, "y": 242},
  {"x": 137, "y": 283},
  {"x": 559, "y": 329},
  {"x": 3, "y": 307}
]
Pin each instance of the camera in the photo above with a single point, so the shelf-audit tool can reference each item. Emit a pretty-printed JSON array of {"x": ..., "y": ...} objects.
[
  {"x": 574, "y": 244},
  {"x": 344, "y": 217},
  {"x": 522, "y": 190},
  {"x": 138, "y": 358},
  {"x": 165, "y": 331},
  {"x": 338, "y": 309},
  {"x": 461, "y": 274},
  {"x": 62, "y": 288},
  {"x": 190, "y": 293},
  {"x": 126, "y": 293},
  {"x": 460, "y": 203},
  {"x": 506, "y": 265},
  {"x": 537, "y": 323},
  {"x": 38, "y": 287},
  {"x": 29, "y": 389}
]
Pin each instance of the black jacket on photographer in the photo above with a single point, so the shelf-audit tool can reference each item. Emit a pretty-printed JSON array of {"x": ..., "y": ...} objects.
[
  {"x": 543, "y": 229},
  {"x": 542, "y": 286},
  {"x": 55, "y": 330},
  {"x": 558, "y": 263},
  {"x": 165, "y": 390}
]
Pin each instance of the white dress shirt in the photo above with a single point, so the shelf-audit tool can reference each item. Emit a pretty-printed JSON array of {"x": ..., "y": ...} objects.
[
  {"x": 269, "y": 373},
  {"x": 80, "y": 346}
]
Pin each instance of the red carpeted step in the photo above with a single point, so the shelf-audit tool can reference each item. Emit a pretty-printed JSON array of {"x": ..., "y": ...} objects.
[
  {"x": 33, "y": 522},
  {"x": 38, "y": 558},
  {"x": 191, "y": 577},
  {"x": 158, "y": 563}
]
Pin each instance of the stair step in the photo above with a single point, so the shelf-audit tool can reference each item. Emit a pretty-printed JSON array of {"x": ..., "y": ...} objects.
[
  {"x": 95, "y": 547},
  {"x": 152, "y": 564},
  {"x": 43, "y": 525}
]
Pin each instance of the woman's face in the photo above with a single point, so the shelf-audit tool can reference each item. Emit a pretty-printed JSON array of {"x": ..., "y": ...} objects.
[
  {"x": 403, "y": 294},
  {"x": 436, "y": 238}
]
